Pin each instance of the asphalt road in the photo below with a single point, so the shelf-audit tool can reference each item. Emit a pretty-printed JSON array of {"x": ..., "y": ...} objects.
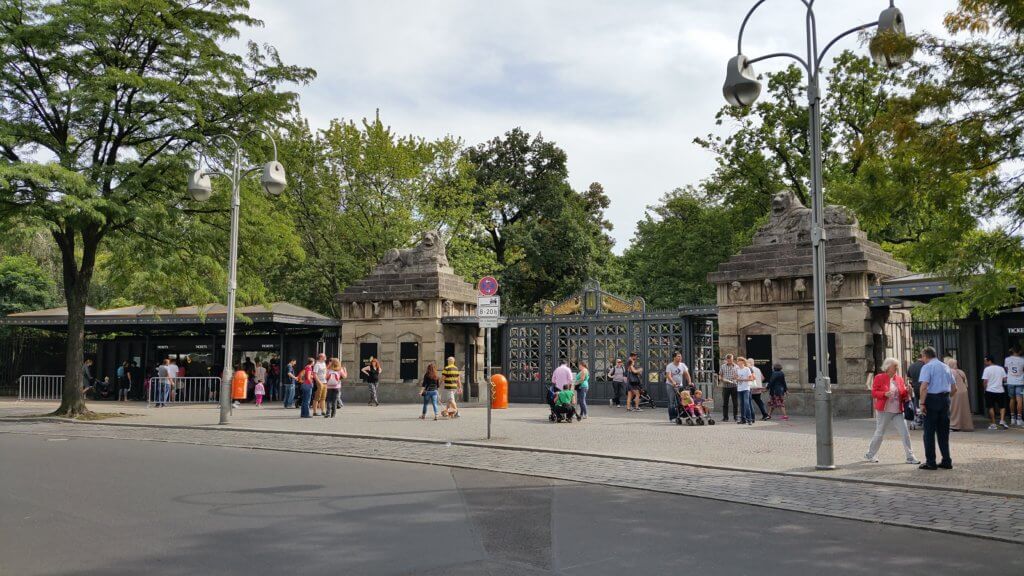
[{"x": 92, "y": 506}]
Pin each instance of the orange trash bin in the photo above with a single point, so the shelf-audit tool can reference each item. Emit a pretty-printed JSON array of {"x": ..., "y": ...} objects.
[
  {"x": 239, "y": 385},
  {"x": 499, "y": 391}
]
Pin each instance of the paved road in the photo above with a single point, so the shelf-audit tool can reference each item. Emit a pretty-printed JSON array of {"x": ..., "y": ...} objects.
[
  {"x": 984, "y": 460},
  {"x": 76, "y": 506},
  {"x": 989, "y": 516}
]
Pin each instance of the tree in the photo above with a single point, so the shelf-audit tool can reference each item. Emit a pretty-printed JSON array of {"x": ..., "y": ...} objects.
[
  {"x": 526, "y": 207},
  {"x": 970, "y": 96},
  {"x": 907, "y": 183},
  {"x": 101, "y": 107},
  {"x": 680, "y": 240},
  {"x": 24, "y": 285}
]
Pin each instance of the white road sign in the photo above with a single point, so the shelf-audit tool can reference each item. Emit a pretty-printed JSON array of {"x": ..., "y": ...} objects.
[{"x": 488, "y": 310}]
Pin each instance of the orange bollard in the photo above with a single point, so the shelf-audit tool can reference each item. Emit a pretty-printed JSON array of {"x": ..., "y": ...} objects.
[
  {"x": 239, "y": 385},
  {"x": 499, "y": 391}
]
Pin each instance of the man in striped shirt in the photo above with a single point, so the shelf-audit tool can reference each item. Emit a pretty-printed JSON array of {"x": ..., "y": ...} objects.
[{"x": 452, "y": 381}]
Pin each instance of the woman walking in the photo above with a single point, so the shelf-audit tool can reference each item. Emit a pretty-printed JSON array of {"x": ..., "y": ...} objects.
[
  {"x": 306, "y": 379},
  {"x": 890, "y": 394},
  {"x": 372, "y": 373},
  {"x": 428, "y": 389},
  {"x": 756, "y": 389},
  {"x": 582, "y": 386},
  {"x": 960, "y": 419},
  {"x": 335, "y": 374},
  {"x": 777, "y": 389}
]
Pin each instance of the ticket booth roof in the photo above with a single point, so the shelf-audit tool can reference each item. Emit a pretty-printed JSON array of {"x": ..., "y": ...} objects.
[{"x": 276, "y": 316}]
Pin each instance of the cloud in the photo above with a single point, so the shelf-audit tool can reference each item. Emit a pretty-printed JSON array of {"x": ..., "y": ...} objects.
[{"x": 623, "y": 87}]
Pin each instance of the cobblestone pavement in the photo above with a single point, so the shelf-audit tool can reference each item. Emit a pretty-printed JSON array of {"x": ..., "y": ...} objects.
[
  {"x": 980, "y": 515},
  {"x": 984, "y": 460}
]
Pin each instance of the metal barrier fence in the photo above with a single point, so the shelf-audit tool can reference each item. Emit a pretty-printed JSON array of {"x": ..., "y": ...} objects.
[
  {"x": 184, "y": 390},
  {"x": 39, "y": 387}
]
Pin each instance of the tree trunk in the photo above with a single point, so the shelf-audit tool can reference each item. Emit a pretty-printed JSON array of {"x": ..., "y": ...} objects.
[{"x": 76, "y": 291}]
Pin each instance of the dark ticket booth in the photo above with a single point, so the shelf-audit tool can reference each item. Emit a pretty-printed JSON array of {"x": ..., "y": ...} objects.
[{"x": 193, "y": 337}]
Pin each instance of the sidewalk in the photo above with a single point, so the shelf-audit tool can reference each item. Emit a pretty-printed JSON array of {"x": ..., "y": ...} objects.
[{"x": 986, "y": 462}]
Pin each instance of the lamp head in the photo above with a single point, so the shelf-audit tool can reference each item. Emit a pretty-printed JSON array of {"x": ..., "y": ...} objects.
[
  {"x": 890, "y": 46},
  {"x": 741, "y": 87},
  {"x": 273, "y": 179},
  {"x": 199, "y": 186}
]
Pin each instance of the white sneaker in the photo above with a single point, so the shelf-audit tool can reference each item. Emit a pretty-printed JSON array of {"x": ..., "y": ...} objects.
[
  {"x": 913, "y": 460},
  {"x": 993, "y": 427},
  {"x": 1002, "y": 424},
  {"x": 869, "y": 458},
  {"x": 1020, "y": 422}
]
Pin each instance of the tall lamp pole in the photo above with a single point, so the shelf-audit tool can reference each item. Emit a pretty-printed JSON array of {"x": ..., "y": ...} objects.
[
  {"x": 742, "y": 88},
  {"x": 273, "y": 180}
]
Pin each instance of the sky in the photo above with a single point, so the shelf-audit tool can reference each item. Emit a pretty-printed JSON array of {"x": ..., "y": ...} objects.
[{"x": 622, "y": 86}]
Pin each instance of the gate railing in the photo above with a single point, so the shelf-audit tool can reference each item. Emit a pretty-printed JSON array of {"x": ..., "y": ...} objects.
[
  {"x": 39, "y": 387},
  {"x": 184, "y": 390}
]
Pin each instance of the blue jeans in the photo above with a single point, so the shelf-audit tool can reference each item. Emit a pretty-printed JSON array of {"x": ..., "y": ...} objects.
[
  {"x": 289, "y": 395},
  {"x": 430, "y": 396},
  {"x": 307, "y": 394},
  {"x": 581, "y": 398},
  {"x": 164, "y": 392},
  {"x": 672, "y": 395},
  {"x": 746, "y": 408}
]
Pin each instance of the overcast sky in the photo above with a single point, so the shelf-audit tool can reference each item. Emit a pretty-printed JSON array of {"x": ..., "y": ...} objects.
[{"x": 622, "y": 86}]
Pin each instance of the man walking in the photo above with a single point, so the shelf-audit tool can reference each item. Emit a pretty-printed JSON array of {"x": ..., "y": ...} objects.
[
  {"x": 617, "y": 374},
  {"x": 452, "y": 383},
  {"x": 727, "y": 380},
  {"x": 1015, "y": 385},
  {"x": 995, "y": 395},
  {"x": 163, "y": 388},
  {"x": 675, "y": 374},
  {"x": 936, "y": 386}
]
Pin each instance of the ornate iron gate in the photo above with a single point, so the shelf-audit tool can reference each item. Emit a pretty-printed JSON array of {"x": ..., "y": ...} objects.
[{"x": 598, "y": 327}]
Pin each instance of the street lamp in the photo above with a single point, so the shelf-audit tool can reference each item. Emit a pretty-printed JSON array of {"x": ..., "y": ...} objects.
[
  {"x": 742, "y": 88},
  {"x": 273, "y": 180}
]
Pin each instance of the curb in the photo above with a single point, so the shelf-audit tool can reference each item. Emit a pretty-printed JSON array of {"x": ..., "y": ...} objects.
[{"x": 521, "y": 448}]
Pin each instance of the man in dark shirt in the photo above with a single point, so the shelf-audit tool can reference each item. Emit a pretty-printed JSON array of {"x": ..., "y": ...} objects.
[{"x": 914, "y": 377}]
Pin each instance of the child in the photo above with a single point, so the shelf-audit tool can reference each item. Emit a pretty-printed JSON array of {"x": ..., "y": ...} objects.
[
  {"x": 260, "y": 391},
  {"x": 689, "y": 406},
  {"x": 698, "y": 404}
]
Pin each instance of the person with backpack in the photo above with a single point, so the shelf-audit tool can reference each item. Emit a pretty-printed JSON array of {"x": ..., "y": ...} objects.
[
  {"x": 306, "y": 380},
  {"x": 617, "y": 374},
  {"x": 335, "y": 374}
]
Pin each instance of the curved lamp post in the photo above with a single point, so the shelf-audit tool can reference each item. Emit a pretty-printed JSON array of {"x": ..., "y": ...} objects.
[
  {"x": 273, "y": 180},
  {"x": 742, "y": 88}
]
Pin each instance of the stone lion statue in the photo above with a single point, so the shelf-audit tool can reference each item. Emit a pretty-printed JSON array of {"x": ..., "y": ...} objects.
[
  {"x": 790, "y": 221},
  {"x": 429, "y": 250}
]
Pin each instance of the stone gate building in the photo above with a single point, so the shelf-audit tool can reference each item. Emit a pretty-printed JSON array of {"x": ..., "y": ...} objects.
[{"x": 766, "y": 309}]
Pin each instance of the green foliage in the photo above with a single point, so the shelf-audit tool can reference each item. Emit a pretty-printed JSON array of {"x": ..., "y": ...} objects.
[
  {"x": 682, "y": 239},
  {"x": 24, "y": 285},
  {"x": 546, "y": 239}
]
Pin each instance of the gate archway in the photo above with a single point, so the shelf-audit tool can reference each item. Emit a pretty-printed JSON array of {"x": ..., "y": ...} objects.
[{"x": 598, "y": 327}]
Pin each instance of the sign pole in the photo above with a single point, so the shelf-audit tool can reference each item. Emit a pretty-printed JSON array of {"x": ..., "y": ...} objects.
[
  {"x": 488, "y": 311},
  {"x": 487, "y": 368}
]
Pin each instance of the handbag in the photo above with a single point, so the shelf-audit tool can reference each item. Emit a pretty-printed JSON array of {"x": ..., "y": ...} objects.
[{"x": 908, "y": 410}]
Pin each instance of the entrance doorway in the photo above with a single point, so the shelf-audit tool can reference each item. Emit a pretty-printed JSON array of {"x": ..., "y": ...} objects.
[{"x": 759, "y": 351}]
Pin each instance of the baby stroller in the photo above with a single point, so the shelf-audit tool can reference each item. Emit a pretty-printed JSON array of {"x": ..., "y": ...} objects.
[
  {"x": 912, "y": 415},
  {"x": 692, "y": 418},
  {"x": 645, "y": 398},
  {"x": 555, "y": 415}
]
